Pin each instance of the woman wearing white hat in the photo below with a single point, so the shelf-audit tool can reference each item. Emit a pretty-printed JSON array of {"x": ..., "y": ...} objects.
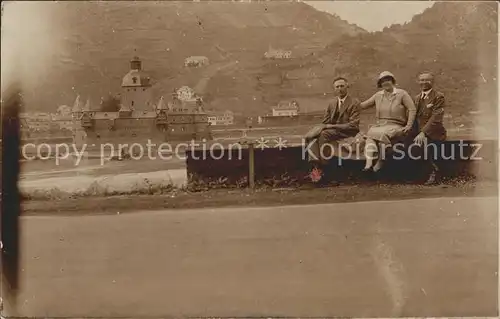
[{"x": 395, "y": 114}]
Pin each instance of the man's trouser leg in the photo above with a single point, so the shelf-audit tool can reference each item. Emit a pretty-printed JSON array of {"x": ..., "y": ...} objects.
[
  {"x": 325, "y": 146},
  {"x": 313, "y": 151},
  {"x": 320, "y": 150},
  {"x": 433, "y": 151},
  {"x": 327, "y": 149},
  {"x": 429, "y": 154}
]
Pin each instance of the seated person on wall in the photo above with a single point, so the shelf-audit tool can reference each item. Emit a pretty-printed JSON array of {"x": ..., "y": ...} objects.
[
  {"x": 395, "y": 115},
  {"x": 429, "y": 130},
  {"x": 341, "y": 121}
]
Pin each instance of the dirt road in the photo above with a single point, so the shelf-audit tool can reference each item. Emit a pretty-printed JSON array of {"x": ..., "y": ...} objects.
[{"x": 419, "y": 257}]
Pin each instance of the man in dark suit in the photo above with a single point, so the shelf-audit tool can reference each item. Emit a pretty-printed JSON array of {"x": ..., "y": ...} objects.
[
  {"x": 341, "y": 120},
  {"x": 430, "y": 131}
]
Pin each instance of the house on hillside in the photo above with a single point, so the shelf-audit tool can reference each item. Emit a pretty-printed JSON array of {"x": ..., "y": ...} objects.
[
  {"x": 277, "y": 54},
  {"x": 221, "y": 118},
  {"x": 196, "y": 61},
  {"x": 286, "y": 108}
]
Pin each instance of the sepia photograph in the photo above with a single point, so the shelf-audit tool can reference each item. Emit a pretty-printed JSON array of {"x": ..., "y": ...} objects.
[{"x": 249, "y": 159}]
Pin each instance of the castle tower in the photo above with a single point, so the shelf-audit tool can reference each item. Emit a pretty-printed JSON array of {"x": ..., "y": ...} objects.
[
  {"x": 136, "y": 88},
  {"x": 161, "y": 105},
  {"x": 86, "y": 108},
  {"x": 77, "y": 109}
]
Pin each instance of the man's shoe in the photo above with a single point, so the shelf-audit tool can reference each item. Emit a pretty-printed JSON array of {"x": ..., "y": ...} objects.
[
  {"x": 432, "y": 180},
  {"x": 378, "y": 166}
]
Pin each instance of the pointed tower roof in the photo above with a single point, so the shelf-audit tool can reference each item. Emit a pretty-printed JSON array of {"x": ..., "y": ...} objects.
[
  {"x": 161, "y": 104},
  {"x": 77, "y": 105},
  {"x": 87, "y": 105}
]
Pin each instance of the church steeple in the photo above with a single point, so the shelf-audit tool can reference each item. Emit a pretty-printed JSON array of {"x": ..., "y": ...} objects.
[
  {"x": 136, "y": 88},
  {"x": 76, "y": 105},
  {"x": 161, "y": 105},
  {"x": 136, "y": 77}
]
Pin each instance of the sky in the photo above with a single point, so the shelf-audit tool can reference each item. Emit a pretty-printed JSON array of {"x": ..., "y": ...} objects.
[
  {"x": 373, "y": 15},
  {"x": 28, "y": 42}
]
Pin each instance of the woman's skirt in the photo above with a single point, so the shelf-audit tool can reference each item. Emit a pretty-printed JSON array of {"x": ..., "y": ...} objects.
[{"x": 387, "y": 133}]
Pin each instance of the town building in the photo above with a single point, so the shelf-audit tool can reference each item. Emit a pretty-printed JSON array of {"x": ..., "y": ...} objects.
[
  {"x": 196, "y": 61},
  {"x": 43, "y": 125},
  {"x": 64, "y": 110},
  {"x": 63, "y": 122},
  {"x": 63, "y": 118},
  {"x": 35, "y": 121},
  {"x": 286, "y": 108},
  {"x": 221, "y": 118}
]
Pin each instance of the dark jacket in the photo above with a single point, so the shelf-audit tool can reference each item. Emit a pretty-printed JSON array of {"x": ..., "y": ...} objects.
[
  {"x": 430, "y": 113},
  {"x": 346, "y": 118}
]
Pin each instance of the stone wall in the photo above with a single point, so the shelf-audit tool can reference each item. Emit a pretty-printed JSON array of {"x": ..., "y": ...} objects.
[{"x": 290, "y": 163}]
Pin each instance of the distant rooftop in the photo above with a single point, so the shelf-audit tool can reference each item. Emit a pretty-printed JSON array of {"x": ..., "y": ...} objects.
[{"x": 287, "y": 105}]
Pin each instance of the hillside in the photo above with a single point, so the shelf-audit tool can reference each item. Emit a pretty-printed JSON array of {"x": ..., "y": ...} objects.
[
  {"x": 457, "y": 41},
  {"x": 95, "y": 41}
]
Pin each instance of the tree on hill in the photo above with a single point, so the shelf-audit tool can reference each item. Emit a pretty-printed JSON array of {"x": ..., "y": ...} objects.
[{"x": 110, "y": 104}]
